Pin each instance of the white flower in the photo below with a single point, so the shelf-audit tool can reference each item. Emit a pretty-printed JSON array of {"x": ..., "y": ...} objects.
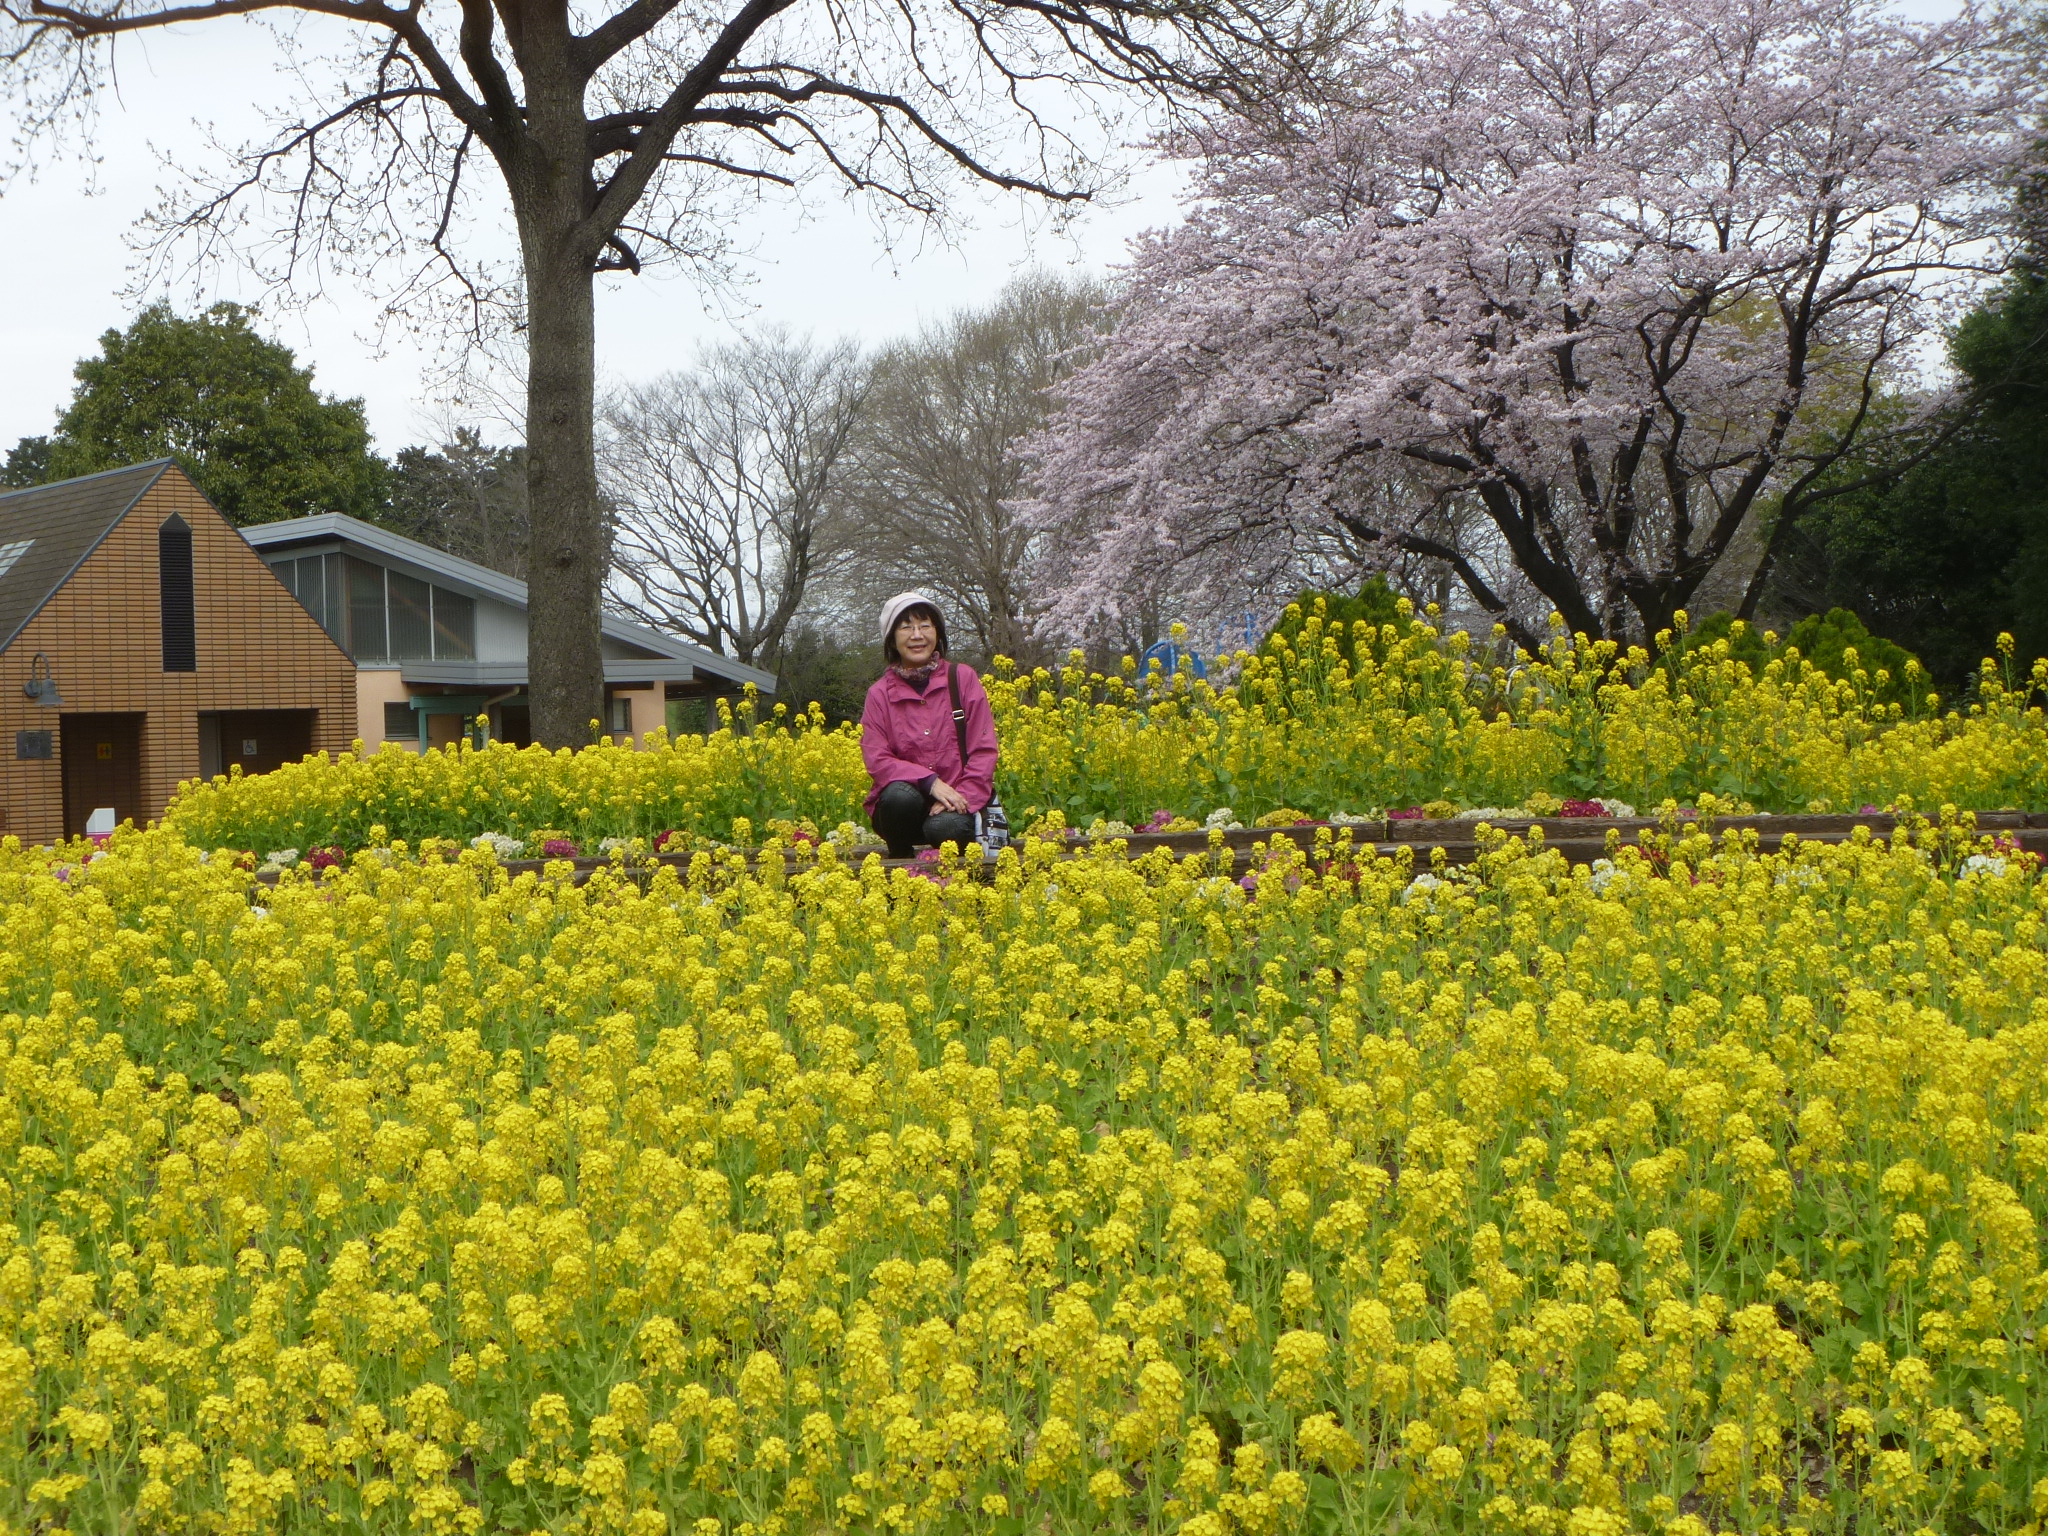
[
  {"x": 1619, "y": 809},
  {"x": 1984, "y": 864},
  {"x": 1484, "y": 813},
  {"x": 259, "y": 911},
  {"x": 283, "y": 858},
  {"x": 1222, "y": 816},
  {"x": 1348, "y": 819},
  {"x": 1604, "y": 875},
  {"x": 498, "y": 843},
  {"x": 1422, "y": 885}
]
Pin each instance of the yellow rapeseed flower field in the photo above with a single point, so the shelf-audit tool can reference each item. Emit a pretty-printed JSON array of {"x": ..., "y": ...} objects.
[
  {"x": 1425, "y": 717},
  {"x": 1684, "y": 1195}
]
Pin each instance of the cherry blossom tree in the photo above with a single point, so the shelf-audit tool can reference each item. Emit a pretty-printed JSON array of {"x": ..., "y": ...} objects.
[{"x": 1617, "y": 281}]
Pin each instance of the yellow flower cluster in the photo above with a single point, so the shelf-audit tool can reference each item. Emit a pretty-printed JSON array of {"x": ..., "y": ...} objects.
[
  {"x": 1426, "y": 716},
  {"x": 1424, "y": 719},
  {"x": 1696, "y": 1194},
  {"x": 789, "y": 767}
]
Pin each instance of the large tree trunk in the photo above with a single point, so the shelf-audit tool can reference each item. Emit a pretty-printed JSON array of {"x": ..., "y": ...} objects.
[{"x": 569, "y": 546}]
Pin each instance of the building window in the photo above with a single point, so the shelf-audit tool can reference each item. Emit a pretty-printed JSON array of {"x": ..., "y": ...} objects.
[
  {"x": 619, "y": 708},
  {"x": 412, "y": 617},
  {"x": 174, "y": 592},
  {"x": 11, "y": 552},
  {"x": 367, "y": 640},
  {"x": 315, "y": 580},
  {"x": 401, "y": 722},
  {"x": 332, "y": 582},
  {"x": 454, "y": 626},
  {"x": 377, "y": 614}
]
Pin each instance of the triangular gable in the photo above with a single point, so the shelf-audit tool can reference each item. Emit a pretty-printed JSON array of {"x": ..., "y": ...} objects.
[
  {"x": 48, "y": 531},
  {"x": 177, "y": 497}
]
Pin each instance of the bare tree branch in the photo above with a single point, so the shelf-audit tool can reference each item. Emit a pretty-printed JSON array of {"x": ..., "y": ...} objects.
[{"x": 724, "y": 480}]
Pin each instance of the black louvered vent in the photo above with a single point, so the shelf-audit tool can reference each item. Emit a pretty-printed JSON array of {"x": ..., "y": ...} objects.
[{"x": 174, "y": 582}]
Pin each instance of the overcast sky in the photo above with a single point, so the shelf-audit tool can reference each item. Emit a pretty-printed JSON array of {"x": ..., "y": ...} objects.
[{"x": 67, "y": 265}]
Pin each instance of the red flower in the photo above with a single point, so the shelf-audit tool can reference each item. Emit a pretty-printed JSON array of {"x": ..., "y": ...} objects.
[{"x": 2009, "y": 847}]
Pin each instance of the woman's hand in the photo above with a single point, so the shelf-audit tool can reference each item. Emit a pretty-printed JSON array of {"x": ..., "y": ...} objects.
[{"x": 948, "y": 799}]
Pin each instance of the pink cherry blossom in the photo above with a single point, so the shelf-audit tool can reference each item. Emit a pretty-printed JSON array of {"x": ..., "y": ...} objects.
[{"x": 1561, "y": 296}]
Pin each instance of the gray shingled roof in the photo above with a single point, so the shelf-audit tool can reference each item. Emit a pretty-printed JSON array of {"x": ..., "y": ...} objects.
[{"x": 61, "y": 524}]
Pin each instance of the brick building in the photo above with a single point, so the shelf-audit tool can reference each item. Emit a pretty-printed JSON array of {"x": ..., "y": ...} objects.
[{"x": 144, "y": 642}]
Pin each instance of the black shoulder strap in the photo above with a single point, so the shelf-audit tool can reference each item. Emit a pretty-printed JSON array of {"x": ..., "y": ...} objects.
[{"x": 959, "y": 714}]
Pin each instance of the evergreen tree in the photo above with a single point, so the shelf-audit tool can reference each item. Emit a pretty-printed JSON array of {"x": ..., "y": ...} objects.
[
  {"x": 234, "y": 408},
  {"x": 1955, "y": 550},
  {"x": 27, "y": 463},
  {"x": 466, "y": 497}
]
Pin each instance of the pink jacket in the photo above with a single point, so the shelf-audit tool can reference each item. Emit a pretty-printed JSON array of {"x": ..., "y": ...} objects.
[{"x": 908, "y": 736}]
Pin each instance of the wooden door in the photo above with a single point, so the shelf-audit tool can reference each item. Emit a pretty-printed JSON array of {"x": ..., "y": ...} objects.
[
  {"x": 263, "y": 739},
  {"x": 102, "y": 766}
]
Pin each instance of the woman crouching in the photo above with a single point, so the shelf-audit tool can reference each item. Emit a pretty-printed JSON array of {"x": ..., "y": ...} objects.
[{"x": 926, "y": 734}]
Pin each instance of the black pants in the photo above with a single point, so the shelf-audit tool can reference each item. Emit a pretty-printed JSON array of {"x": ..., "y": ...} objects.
[{"x": 903, "y": 815}]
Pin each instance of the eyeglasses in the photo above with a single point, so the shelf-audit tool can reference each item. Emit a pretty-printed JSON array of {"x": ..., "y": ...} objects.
[{"x": 920, "y": 624}]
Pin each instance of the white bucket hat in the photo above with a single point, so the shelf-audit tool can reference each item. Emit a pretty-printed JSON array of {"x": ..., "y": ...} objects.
[{"x": 895, "y": 608}]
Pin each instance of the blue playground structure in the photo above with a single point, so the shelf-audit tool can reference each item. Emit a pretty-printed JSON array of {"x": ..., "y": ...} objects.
[{"x": 1169, "y": 655}]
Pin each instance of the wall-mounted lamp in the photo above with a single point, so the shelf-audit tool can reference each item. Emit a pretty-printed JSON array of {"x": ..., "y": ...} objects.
[{"x": 40, "y": 685}]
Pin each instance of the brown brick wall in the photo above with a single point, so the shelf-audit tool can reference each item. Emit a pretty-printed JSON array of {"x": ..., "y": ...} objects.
[{"x": 258, "y": 649}]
